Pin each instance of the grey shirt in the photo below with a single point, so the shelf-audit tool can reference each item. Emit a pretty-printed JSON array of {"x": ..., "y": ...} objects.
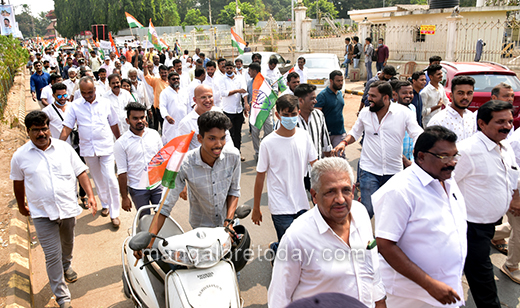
[{"x": 208, "y": 187}]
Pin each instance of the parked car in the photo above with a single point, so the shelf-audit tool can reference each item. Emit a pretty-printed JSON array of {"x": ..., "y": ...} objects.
[
  {"x": 283, "y": 65},
  {"x": 320, "y": 65},
  {"x": 487, "y": 75}
]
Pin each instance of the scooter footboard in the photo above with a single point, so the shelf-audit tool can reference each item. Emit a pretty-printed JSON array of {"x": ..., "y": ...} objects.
[{"x": 214, "y": 287}]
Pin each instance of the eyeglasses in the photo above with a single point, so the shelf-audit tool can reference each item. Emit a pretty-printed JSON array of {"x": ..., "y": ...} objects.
[
  {"x": 62, "y": 96},
  {"x": 446, "y": 159},
  {"x": 175, "y": 79},
  {"x": 37, "y": 130}
]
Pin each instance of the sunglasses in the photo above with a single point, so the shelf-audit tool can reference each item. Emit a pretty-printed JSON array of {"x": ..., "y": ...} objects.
[{"x": 62, "y": 96}]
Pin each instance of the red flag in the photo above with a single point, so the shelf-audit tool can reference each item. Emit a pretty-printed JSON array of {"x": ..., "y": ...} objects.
[{"x": 113, "y": 44}]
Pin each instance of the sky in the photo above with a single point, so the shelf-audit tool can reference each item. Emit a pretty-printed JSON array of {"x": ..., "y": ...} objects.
[{"x": 37, "y": 6}]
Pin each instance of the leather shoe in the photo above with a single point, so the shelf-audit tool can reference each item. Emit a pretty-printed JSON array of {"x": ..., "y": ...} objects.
[
  {"x": 116, "y": 223},
  {"x": 105, "y": 212},
  {"x": 66, "y": 305},
  {"x": 514, "y": 275}
]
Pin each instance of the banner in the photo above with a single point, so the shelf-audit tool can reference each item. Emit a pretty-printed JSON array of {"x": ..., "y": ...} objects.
[{"x": 8, "y": 22}]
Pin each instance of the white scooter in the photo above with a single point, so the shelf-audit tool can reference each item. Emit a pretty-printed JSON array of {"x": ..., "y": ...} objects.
[{"x": 193, "y": 269}]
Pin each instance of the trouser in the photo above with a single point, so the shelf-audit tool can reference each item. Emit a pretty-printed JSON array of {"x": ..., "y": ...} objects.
[
  {"x": 237, "y": 119},
  {"x": 142, "y": 197},
  {"x": 510, "y": 229},
  {"x": 255, "y": 133},
  {"x": 380, "y": 66},
  {"x": 369, "y": 183},
  {"x": 281, "y": 223},
  {"x": 157, "y": 118},
  {"x": 346, "y": 63},
  {"x": 57, "y": 240},
  {"x": 102, "y": 172},
  {"x": 478, "y": 267},
  {"x": 356, "y": 62},
  {"x": 393, "y": 301},
  {"x": 82, "y": 192},
  {"x": 336, "y": 139},
  {"x": 368, "y": 66}
]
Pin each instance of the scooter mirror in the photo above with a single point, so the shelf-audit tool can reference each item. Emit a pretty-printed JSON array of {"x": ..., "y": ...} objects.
[
  {"x": 140, "y": 241},
  {"x": 242, "y": 211}
]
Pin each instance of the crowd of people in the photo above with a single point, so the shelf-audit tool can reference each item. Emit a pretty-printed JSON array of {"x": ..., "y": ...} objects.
[{"x": 435, "y": 177}]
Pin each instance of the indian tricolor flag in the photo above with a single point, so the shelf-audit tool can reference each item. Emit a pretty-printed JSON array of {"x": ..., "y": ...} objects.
[
  {"x": 132, "y": 21},
  {"x": 165, "y": 165},
  {"x": 237, "y": 41},
  {"x": 262, "y": 102}
]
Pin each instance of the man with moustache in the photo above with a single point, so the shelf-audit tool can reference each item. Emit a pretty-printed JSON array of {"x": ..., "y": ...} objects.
[
  {"x": 420, "y": 219},
  {"x": 404, "y": 96},
  {"x": 174, "y": 106},
  {"x": 118, "y": 98},
  {"x": 212, "y": 80},
  {"x": 418, "y": 83},
  {"x": 384, "y": 125},
  {"x": 456, "y": 117},
  {"x": 158, "y": 84},
  {"x": 293, "y": 80},
  {"x": 385, "y": 75},
  {"x": 487, "y": 174},
  {"x": 503, "y": 92},
  {"x": 330, "y": 102},
  {"x": 71, "y": 82},
  {"x": 185, "y": 76}
]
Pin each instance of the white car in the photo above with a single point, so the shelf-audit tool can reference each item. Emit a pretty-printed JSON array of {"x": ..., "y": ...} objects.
[{"x": 320, "y": 65}]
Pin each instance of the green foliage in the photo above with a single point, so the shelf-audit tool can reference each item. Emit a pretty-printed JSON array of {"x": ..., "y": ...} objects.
[
  {"x": 12, "y": 57},
  {"x": 194, "y": 17},
  {"x": 250, "y": 13},
  {"x": 31, "y": 26},
  {"x": 322, "y": 6}
]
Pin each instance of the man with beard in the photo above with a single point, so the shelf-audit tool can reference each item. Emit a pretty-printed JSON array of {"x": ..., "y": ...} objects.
[
  {"x": 433, "y": 95},
  {"x": 139, "y": 90},
  {"x": 132, "y": 152},
  {"x": 118, "y": 98},
  {"x": 404, "y": 96},
  {"x": 212, "y": 172},
  {"x": 456, "y": 117},
  {"x": 212, "y": 81},
  {"x": 156, "y": 63},
  {"x": 418, "y": 83},
  {"x": 421, "y": 227},
  {"x": 158, "y": 84},
  {"x": 487, "y": 174},
  {"x": 330, "y": 102},
  {"x": 185, "y": 77},
  {"x": 173, "y": 106},
  {"x": 384, "y": 125},
  {"x": 385, "y": 75},
  {"x": 102, "y": 82},
  {"x": 293, "y": 80},
  {"x": 39, "y": 80}
]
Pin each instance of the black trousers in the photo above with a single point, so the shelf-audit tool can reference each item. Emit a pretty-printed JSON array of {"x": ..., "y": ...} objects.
[
  {"x": 157, "y": 118},
  {"x": 237, "y": 119},
  {"x": 82, "y": 192},
  {"x": 478, "y": 267}
]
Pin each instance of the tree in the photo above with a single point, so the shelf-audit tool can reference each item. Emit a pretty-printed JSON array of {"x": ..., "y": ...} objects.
[
  {"x": 247, "y": 10},
  {"x": 323, "y": 6},
  {"x": 194, "y": 17}
]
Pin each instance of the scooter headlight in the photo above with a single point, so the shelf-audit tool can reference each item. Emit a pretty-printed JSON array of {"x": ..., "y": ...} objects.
[
  {"x": 178, "y": 257},
  {"x": 204, "y": 257}
]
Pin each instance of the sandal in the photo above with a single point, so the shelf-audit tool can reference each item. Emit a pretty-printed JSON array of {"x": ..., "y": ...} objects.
[{"x": 502, "y": 248}]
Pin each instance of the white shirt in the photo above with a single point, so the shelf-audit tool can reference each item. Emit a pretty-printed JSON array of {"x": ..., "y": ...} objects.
[
  {"x": 195, "y": 57},
  {"x": 383, "y": 144},
  {"x": 140, "y": 93},
  {"x": 191, "y": 92},
  {"x": 272, "y": 76},
  {"x": 49, "y": 178},
  {"x": 183, "y": 59},
  {"x": 285, "y": 160},
  {"x": 119, "y": 103},
  {"x": 125, "y": 68},
  {"x": 428, "y": 224},
  {"x": 173, "y": 104},
  {"x": 55, "y": 122},
  {"x": 109, "y": 68},
  {"x": 327, "y": 263},
  {"x": 232, "y": 103},
  {"x": 287, "y": 91},
  {"x": 464, "y": 126},
  {"x": 99, "y": 92},
  {"x": 244, "y": 73},
  {"x": 487, "y": 174},
  {"x": 514, "y": 140},
  {"x": 94, "y": 122},
  {"x": 213, "y": 83},
  {"x": 104, "y": 85},
  {"x": 148, "y": 88},
  {"x": 189, "y": 123},
  {"x": 70, "y": 86},
  {"x": 133, "y": 153},
  {"x": 169, "y": 61},
  {"x": 185, "y": 80},
  {"x": 47, "y": 94},
  {"x": 430, "y": 97},
  {"x": 303, "y": 73}
]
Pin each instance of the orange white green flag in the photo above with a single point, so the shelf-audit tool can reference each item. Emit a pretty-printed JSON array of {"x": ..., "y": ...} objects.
[
  {"x": 165, "y": 165},
  {"x": 132, "y": 21},
  {"x": 237, "y": 41},
  {"x": 262, "y": 102},
  {"x": 153, "y": 37}
]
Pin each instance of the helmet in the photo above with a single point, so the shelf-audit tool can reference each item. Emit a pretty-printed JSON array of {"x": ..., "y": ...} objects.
[{"x": 237, "y": 254}]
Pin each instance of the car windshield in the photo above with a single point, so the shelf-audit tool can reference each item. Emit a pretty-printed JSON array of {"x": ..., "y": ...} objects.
[
  {"x": 486, "y": 82},
  {"x": 322, "y": 63},
  {"x": 246, "y": 59}
]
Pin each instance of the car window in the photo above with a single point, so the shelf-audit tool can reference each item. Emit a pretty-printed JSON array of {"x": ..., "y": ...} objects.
[
  {"x": 246, "y": 59},
  {"x": 281, "y": 60},
  {"x": 319, "y": 63},
  {"x": 444, "y": 79},
  {"x": 486, "y": 82}
]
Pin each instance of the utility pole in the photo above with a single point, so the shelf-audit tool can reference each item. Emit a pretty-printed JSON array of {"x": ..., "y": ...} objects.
[{"x": 209, "y": 10}]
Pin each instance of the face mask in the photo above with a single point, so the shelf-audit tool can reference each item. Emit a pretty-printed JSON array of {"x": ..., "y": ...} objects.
[
  {"x": 239, "y": 69},
  {"x": 379, "y": 45},
  {"x": 58, "y": 103},
  {"x": 289, "y": 122},
  {"x": 230, "y": 75}
]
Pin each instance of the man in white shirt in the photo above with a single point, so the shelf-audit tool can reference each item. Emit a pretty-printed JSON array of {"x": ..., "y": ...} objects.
[
  {"x": 184, "y": 57},
  {"x": 169, "y": 59},
  {"x": 233, "y": 89},
  {"x": 335, "y": 234},
  {"x": 196, "y": 55},
  {"x": 200, "y": 75},
  {"x": 71, "y": 82},
  {"x": 384, "y": 125},
  {"x": 293, "y": 80},
  {"x": 118, "y": 98},
  {"x": 212, "y": 80},
  {"x": 221, "y": 72},
  {"x": 421, "y": 227},
  {"x": 96, "y": 118},
  {"x": 433, "y": 95},
  {"x": 125, "y": 67},
  {"x": 102, "y": 82},
  {"x": 132, "y": 152},
  {"x": 456, "y": 117},
  {"x": 241, "y": 71},
  {"x": 302, "y": 70},
  {"x": 174, "y": 106},
  {"x": 46, "y": 96},
  {"x": 45, "y": 170},
  {"x": 185, "y": 78},
  {"x": 138, "y": 88},
  {"x": 283, "y": 157},
  {"x": 95, "y": 63},
  {"x": 487, "y": 175},
  {"x": 272, "y": 74},
  {"x": 56, "y": 111},
  {"x": 108, "y": 66}
]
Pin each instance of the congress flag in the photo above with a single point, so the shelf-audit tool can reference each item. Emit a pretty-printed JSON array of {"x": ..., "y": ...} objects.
[
  {"x": 262, "y": 102},
  {"x": 114, "y": 47},
  {"x": 153, "y": 37},
  {"x": 237, "y": 41},
  {"x": 165, "y": 165},
  {"x": 132, "y": 21}
]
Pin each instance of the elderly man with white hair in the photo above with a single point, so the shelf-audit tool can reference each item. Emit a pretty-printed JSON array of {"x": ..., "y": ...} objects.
[{"x": 330, "y": 248}]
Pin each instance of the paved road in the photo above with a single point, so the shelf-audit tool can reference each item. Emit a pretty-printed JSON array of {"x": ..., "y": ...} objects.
[{"x": 97, "y": 253}]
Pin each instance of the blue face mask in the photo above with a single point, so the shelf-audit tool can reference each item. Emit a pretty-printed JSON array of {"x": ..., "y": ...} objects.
[
  {"x": 289, "y": 122},
  {"x": 230, "y": 75}
]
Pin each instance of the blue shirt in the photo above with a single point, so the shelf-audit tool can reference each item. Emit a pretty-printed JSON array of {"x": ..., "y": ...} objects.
[
  {"x": 417, "y": 102},
  {"x": 332, "y": 106},
  {"x": 408, "y": 141},
  {"x": 38, "y": 82},
  {"x": 364, "y": 98}
]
